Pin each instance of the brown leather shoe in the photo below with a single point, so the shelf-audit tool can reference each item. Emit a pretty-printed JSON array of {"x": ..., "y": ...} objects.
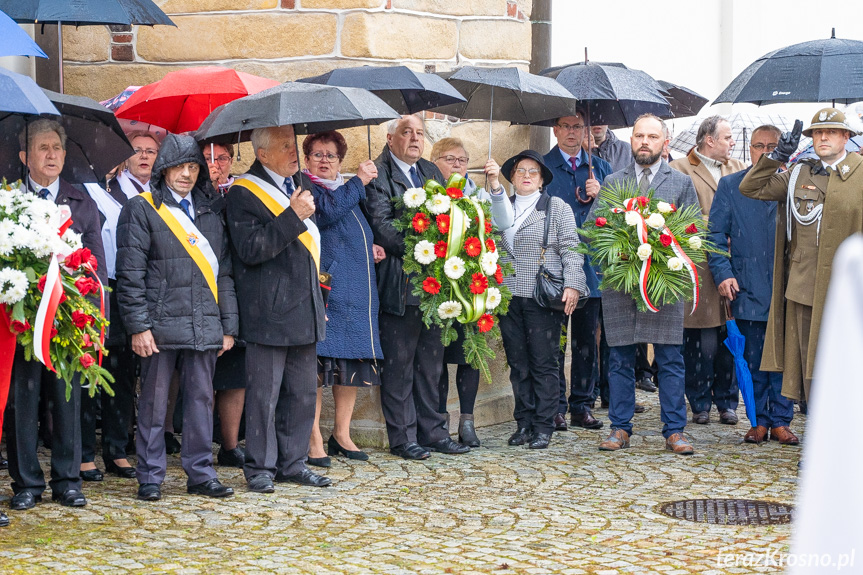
[
  {"x": 585, "y": 420},
  {"x": 679, "y": 444},
  {"x": 783, "y": 435},
  {"x": 755, "y": 434},
  {"x": 618, "y": 439},
  {"x": 559, "y": 422}
]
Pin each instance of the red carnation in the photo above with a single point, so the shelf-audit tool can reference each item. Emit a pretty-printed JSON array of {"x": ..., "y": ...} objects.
[
  {"x": 692, "y": 229},
  {"x": 489, "y": 245},
  {"x": 485, "y": 323},
  {"x": 600, "y": 222},
  {"x": 80, "y": 257},
  {"x": 478, "y": 283},
  {"x": 665, "y": 239},
  {"x": 454, "y": 193},
  {"x": 420, "y": 222},
  {"x": 19, "y": 327},
  {"x": 442, "y": 222},
  {"x": 473, "y": 247},
  {"x": 81, "y": 319},
  {"x": 673, "y": 208},
  {"x": 498, "y": 275},
  {"x": 431, "y": 285},
  {"x": 86, "y": 285},
  {"x": 40, "y": 285},
  {"x": 440, "y": 249},
  {"x": 86, "y": 360},
  {"x": 642, "y": 201},
  {"x": 53, "y": 332}
]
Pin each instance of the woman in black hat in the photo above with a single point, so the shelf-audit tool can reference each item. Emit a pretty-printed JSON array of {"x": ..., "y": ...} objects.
[{"x": 531, "y": 332}]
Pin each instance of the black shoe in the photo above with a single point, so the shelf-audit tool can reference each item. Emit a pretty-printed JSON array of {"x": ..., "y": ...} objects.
[
  {"x": 70, "y": 498},
  {"x": 559, "y": 422},
  {"x": 4, "y": 521},
  {"x": 467, "y": 433},
  {"x": 305, "y": 477},
  {"x": 539, "y": 441},
  {"x": 261, "y": 483},
  {"x": 585, "y": 419},
  {"x": 24, "y": 500},
  {"x": 646, "y": 384},
  {"x": 319, "y": 461},
  {"x": 638, "y": 408},
  {"x": 172, "y": 446},
  {"x": 210, "y": 488},
  {"x": 520, "y": 437},
  {"x": 92, "y": 475},
  {"x": 701, "y": 418},
  {"x": 235, "y": 457},
  {"x": 728, "y": 417},
  {"x": 448, "y": 446},
  {"x": 334, "y": 448},
  {"x": 149, "y": 492},
  {"x": 410, "y": 450},
  {"x": 122, "y": 472}
]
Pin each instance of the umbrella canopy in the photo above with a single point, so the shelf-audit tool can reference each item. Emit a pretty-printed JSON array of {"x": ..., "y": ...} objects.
[
  {"x": 404, "y": 90},
  {"x": 683, "y": 101},
  {"x": 309, "y": 108},
  {"x": 86, "y": 12},
  {"x": 742, "y": 124},
  {"x": 611, "y": 93},
  {"x": 19, "y": 94},
  {"x": 16, "y": 42},
  {"x": 828, "y": 70},
  {"x": 182, "y": 100},
  {"x": 120, "y": 99},
  {"x": 95, "y": 142},
  {"x": 735, "y": 342}
]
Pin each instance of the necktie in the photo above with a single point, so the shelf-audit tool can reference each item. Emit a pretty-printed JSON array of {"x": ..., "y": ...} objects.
[
  {"x": 415, "y": 177},
  {"x": 644, "y": 184},
  {"x": 187, "y": 207},
  {"x": 289, "y": 186},
  {"x": 573, "y": 162},
  {"x": 43, "y": 193}
]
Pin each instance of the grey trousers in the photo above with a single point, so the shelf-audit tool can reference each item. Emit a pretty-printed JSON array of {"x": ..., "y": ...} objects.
[
  {"x": 196, "y": 382},
  {"x": 281, "y": 390}
]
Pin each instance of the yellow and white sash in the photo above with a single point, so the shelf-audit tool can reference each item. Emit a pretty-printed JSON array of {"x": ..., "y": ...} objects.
[
  {"x": 191, "y": 239},
  {"x": 276, "y": 201}
]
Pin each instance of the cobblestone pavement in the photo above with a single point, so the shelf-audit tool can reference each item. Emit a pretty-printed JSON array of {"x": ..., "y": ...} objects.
[{"x": 570, "y": 509}]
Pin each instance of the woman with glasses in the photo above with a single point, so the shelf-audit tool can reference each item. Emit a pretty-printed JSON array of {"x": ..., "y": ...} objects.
[
  {"x": 220, "y": 160},
  {"x": 531, "y": 333},
  {"x": 450, "y": 157},
  {"x": 348, "y": 357}
]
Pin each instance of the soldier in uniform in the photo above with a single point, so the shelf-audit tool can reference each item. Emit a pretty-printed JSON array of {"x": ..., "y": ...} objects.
[{"x": 820, "y": 204}]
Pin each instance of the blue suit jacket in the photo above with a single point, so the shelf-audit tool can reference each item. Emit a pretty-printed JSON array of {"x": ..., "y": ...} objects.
[
  {"x": 750, "y": 227},
  {"x": 563, "y": 186}
]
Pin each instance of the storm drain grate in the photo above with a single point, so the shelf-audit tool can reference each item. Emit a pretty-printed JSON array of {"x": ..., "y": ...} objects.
[{"x": 728, "y": 511}]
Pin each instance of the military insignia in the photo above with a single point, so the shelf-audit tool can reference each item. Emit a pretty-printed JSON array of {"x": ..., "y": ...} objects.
[
  {"x": 192, "y": 239},
  {"x": 809, "y": 206},
  {"x": 844, "y": 169},
  {"x": 822, "y": 116}
]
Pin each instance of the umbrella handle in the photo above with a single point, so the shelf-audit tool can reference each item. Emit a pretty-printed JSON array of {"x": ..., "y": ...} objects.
[{"x": 727, "y": 303}]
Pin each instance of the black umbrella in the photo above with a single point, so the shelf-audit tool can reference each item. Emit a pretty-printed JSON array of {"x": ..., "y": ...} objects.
[
  {"x": 684, "y": 102},
  {"x": 828, "y": 70},
  {"x": 84, "y": 13},
  {"x": 95, "y": 141},
  {"x": 406, "y": 91}
]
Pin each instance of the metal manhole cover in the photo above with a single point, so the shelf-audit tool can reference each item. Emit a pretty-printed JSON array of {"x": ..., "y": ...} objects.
[{"x": 728, "y": 511}]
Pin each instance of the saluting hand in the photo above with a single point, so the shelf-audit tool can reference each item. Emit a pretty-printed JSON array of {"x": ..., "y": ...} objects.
[{"x": 303, "y": 204}]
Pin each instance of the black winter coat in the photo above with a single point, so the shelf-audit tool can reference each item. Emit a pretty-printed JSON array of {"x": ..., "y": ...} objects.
[
  {"x": 380, "y": 211},
  {"x": 159, "y": 286}
]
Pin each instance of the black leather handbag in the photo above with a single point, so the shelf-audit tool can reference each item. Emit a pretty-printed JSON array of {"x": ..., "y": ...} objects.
[{"x": 548, "y": 291}]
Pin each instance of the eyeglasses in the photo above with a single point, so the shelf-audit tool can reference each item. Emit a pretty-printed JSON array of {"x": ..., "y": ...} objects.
[
  {"x": 531, "y": 172},
  {"x": 221, "y": 160},
  {"x": 760, "y": 147},
  {"x": 453, "y": 159},
  {"x": 568, "y": 128},
  {"x": 145, "y": 151},
  {"x": 319, "y": 157}
]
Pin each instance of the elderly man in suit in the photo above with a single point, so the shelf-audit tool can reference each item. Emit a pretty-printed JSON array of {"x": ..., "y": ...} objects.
[
  {"x": 626, "y": 327},
  {"x": 276, "y": 248},
  {"x": 43, "y": 151},
  {"x": 709, "y": 364},
  {"x": 412, "y": 351}
]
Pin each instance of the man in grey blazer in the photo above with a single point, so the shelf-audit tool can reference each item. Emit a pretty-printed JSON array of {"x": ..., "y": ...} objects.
[{"x": 626, "y": 327}]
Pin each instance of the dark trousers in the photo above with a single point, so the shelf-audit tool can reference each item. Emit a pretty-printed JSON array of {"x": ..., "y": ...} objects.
[
  {"x": 413, "y": 359},
  {"x": 643, "y": 367},
  {"x": 281, "y": 390},
  {"x": 116, "y": 411},
  {"x": 621, "y": 380},
  {"x": 709, "y": 370},
  {"x": 771, "y": 408},
  {"x": 467, "y": 384},
  {"x": 531, "y": 340},
  {"x": 196, "y": 379},
  {"x": 584, "y": 371},
  {"x": 29, "y": 380}
]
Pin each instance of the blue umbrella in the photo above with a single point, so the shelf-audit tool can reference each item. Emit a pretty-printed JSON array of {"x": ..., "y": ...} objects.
[
  {"x": 735, "y": 342},
  {"x": 19, "y": 94},
  {"x": 16, "y": 42}
]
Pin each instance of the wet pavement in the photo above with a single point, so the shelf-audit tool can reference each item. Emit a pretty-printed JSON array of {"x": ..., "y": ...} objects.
[{"x": 569, "y": 509}]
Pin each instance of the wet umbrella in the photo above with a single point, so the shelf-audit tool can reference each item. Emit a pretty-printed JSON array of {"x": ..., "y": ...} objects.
[
  {"x": 19, "y": 94},
  {"x": 95, "y": 141},
  {"x": 735, "y": 342},
  {"x": 828, "y": 70},
  {"x": 120, "y": 99},
  {"x": 16, "y": 42},
  {"x": 132, "y": 125},
  {"x": 683, "y": 101},
  {"x": 742, "y": 124}
]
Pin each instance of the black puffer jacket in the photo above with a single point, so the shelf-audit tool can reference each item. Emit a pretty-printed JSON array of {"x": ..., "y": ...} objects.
[{"x": 159, "y": 286}]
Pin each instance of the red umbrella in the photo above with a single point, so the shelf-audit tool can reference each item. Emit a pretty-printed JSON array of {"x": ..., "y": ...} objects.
[{"x": 181, "y": 100}]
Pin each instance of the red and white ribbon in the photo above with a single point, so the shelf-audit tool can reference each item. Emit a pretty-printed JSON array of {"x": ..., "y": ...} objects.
[
  {"x": 631, "y": 205},
  {"x": 690, "y": 267},
  {"x": 46, "y": 313}
]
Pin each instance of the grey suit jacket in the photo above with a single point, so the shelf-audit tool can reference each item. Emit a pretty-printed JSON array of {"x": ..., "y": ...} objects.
[{"x": 621, "y": 320}]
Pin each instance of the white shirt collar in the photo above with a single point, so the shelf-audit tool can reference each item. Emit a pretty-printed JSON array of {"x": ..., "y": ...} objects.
[
  {"x": 145, "y": 185},
  {"x": 278, "y": 178},
  {"x": 834, "y": 164},
  {"x": 404, "y": 167},
  {"x": 178, "y": 198},
  {"x": 53, "y": 188},
  {"x": 653, "y": 169},
  {"x": 580, "y": 156}
]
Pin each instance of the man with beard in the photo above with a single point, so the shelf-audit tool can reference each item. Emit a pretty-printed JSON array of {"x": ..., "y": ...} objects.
[{"x": 626, "y": 327}]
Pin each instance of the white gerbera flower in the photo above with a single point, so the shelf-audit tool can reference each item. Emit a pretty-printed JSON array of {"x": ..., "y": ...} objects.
[
  {"x": 695, "y": 242},
  {"x": 675, "y": 264},
  {"x": 449, "y": 309},
  {"x": 438, "y": 204},
  {"x": 663, "y": 207},
  {"x": 414, "y": 197},
  {"x": 13, "y": 286},
  {"x": 488, "y": 263},
  {"x": 644, "y": 251},
  {"x": 424, "y": 252},
  {"x": 656, "y": 221},
  {"x": 632, "y": 218},
  {"x": 454, "y": 268},
  {"x": 492, "y": 298}
]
